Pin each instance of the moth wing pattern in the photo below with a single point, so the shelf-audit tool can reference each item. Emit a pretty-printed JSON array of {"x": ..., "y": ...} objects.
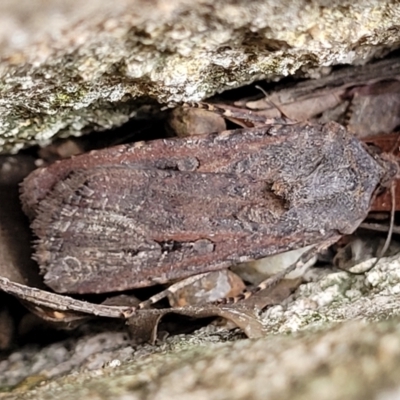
[
  {"x": 226, "y": 200},
  {"x": 203, "y": 225}
]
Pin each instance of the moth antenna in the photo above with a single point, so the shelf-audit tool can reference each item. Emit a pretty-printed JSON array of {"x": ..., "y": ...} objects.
[
  {"x": 202, "y": 106},
  {"x": 391, "y": 225},
  {"x": 348, "y": 112},
  {"x": 271, "y": 103},
  {"x": 392, "y": 212},
  {"x": 224, "y": 112},
  {"x": 392, "y": 215},
  {"x": 236, "y": 115},
  {"x": 349, "y": 95},
  {"x": 262, "y": 90}
]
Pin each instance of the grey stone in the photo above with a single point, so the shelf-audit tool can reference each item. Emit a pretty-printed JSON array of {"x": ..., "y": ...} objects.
[
  {"x": 69, "y": 67},
  {"x": 337, "y": 337}
]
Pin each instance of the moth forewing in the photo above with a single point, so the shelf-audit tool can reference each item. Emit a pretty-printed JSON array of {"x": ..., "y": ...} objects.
[{"x": 135, "y": 216}]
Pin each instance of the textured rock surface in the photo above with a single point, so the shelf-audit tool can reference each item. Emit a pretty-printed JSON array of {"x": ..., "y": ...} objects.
[
  {"x": 69, "y": 67},
  {"x": 340, "y": 296},
  {"x": 354, "y": 360},
  {"x": 306, "y": 355}
]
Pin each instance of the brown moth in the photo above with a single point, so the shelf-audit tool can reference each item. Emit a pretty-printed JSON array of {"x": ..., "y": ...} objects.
[{"x": 154, "y": 212}]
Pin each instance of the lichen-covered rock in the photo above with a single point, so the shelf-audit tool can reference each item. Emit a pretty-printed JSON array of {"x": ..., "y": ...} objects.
[
  {"x": 68, "y": 67},
  {"x": 350, "y": 361},
  {"x": 339, "y": 297}
]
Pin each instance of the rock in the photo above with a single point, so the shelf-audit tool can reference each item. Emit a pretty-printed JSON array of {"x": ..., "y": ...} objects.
[
  {"x": 336, "y": 335},
  {"x": 72, "y": 67},
  {"x": 352, "y": 360}
]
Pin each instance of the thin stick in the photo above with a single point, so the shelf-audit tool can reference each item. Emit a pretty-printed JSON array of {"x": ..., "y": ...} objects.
[{"x": 58, "y": 302}]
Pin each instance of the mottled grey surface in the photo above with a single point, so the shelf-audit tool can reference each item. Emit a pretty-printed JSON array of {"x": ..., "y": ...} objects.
[
  {"x": 325, "y": 342},
  {"x": 340, "y": 296},
  {"x": 68, "y": 66}
]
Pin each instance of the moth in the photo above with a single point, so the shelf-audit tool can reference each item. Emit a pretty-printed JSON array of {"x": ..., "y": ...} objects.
[{"x": 154, "y": 212}]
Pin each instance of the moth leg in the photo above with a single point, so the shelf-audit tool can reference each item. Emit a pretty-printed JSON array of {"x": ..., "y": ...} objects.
[
  {"x": 269, "y": 283},
  {"x": 274, "y": 280},
  {"x": 236, "y": 113},
  {"x": 170, "y": 290}
]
